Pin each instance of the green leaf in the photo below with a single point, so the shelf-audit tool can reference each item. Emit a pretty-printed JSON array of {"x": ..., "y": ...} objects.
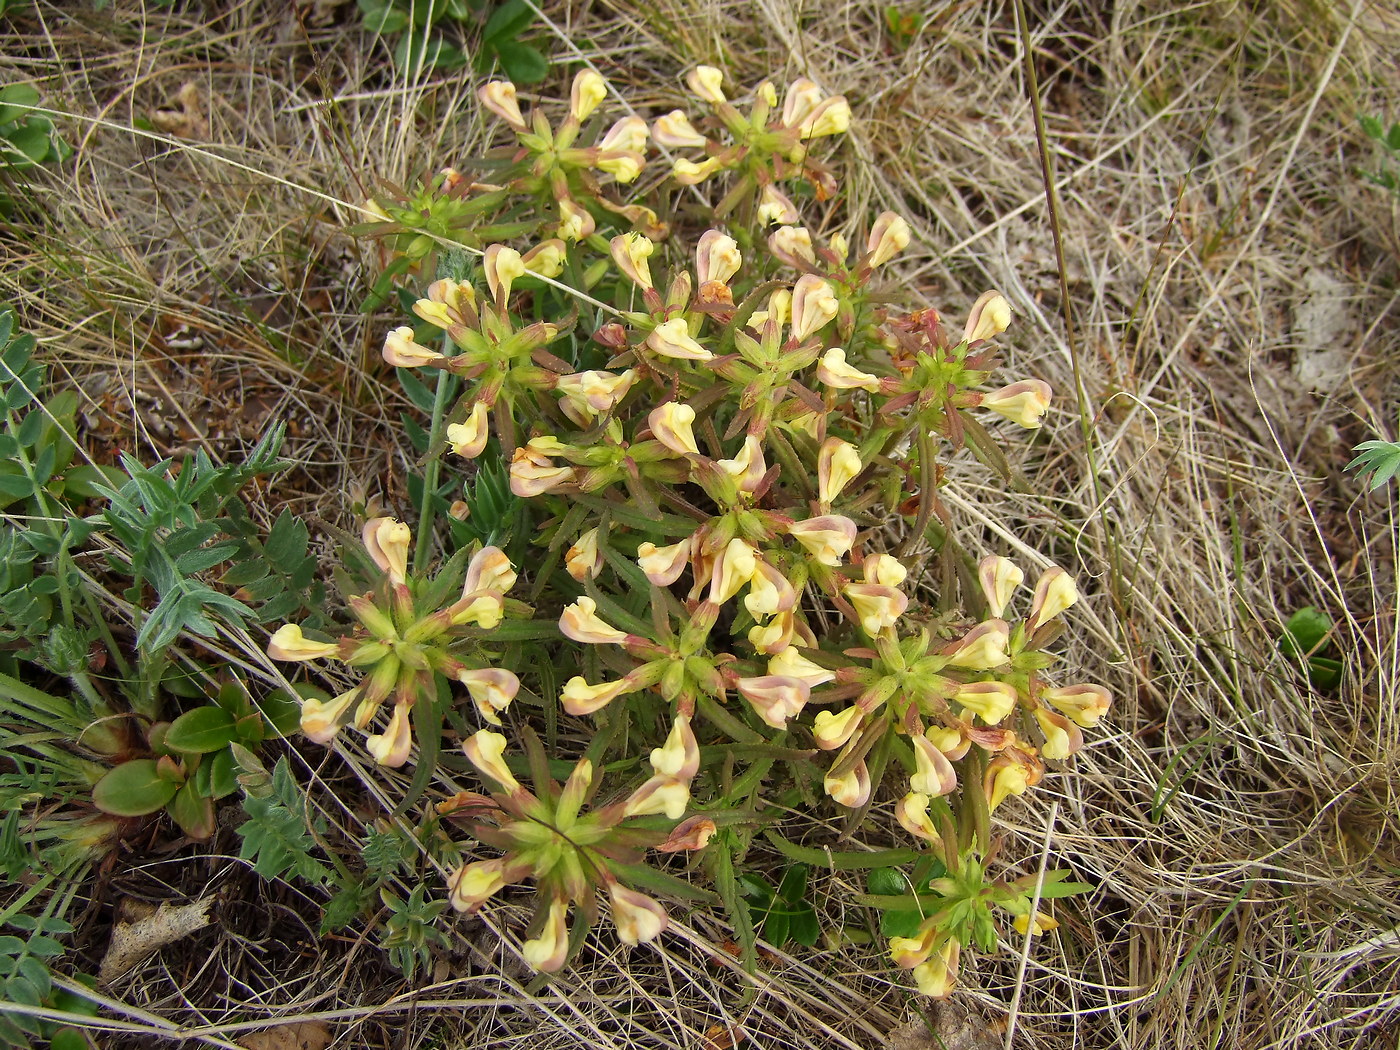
[
  {"x": 202, "y": 730},
  {"x": 133, "y": 789},
  {"x": 31, "y": 140},
  {"x": 507, "y": 22},
  {"x": 847, "y": 861},
  {"x": 1305, "y": 631},
  {"x": 283, "y": 711},
  {"x": 522, "y": 63},
  {"x": 193, "y": 812},
  {"x": 12, "y": 97},
  {"x": 891, "y": 882},
  {"x": 793, "y": 886},
  {"x": 223, "y": 774},
  {"x": 380, "y": 16},
  {"x": 803, "y": 926}
]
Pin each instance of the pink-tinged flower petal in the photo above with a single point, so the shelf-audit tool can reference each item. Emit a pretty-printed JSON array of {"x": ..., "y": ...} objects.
[{"x": 776, "y": 698}]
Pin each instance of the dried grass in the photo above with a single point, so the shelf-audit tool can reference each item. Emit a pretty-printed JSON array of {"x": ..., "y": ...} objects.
[{"x": 1240, "y": 827}]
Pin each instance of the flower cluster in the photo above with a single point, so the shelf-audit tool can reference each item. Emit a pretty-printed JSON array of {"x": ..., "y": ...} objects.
[
  {"x": 725, "y": 492},
  {"x": 404, "y": 638}
]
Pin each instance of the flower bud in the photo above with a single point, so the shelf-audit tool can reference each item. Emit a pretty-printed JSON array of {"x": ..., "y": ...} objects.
[
  {"x": 888, "y": 237},
  {"x": 550, "y": 950},
  {"x": 999, "y": 578},
  {"x": 705, "y": 82},
  {"x": 402, "y": 352},
  {"x": 637, "y": 917},
  {"x": 833, "y": 371},
  {"x": 672, "y": 339},
  {"x": 587, "y": 94},
  {"x": 499, "y": 97},
  {"x": 990, "y": 701},
  {"x": 391, "y": 747},
  {"x": 469, "y": 439},
  {"x": 852, "y": 789},
  {"x": 838, "y": 463},
  {"x": 833, "y": 730},
  {"x": 484, "y": 751},
  {"x": 990, "y": 316},
  {"x": 982, "y": 648},
  {"x": 674, "y": 131},
  {"x": 1084, "y": 704},
  {"x": 1054, "y": 593},
  {"x": 581, "y": 622},
  {"x": 1022, "y": 403},
  {"x": 584, "y": 561},
  {"x": 290, "y": 644},
  {"x": 388, "y": 541},
  {"x": 670, "y": 425},
  {"x": 491, "y": 689}
]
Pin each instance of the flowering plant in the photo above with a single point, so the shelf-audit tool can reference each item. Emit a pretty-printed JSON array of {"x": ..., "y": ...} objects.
[{"x": 729, "y": 482}]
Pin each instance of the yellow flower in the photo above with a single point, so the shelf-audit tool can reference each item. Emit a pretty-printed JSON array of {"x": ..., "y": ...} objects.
[
  {"x": 545, "y": 259},
  {"x": 689, "y": 173},
  {"x": 679, "y": 756},
  {"x": 999, "y": 578},
  {"x": 630, "y": 251},
  {"x": 833, "y": 371},
  {"x": 937, "y": 976},
  {"x": 838, "y": 463},
  {"x": 705, "y": 82},
  {"x": 827, "y": 539},
  {"x": 587, "y": 94},
  {"x": 660, "y": 794},
  {"x": 833, "y": 730},
  {"x": 991, "y": 701},
  {"x": 793, "y": 245},
  {"x": 1085, "y": 704},
  {"x": 491, "y": 689},
  {"x": 672, "y": 339},
  {"x": 503, "y": 267},
  {"x": 888, "y": 237},
  {"x": 290, "y": 644},
  {"x": 1024, "y": 402},
  {"x": 912, "y": 813},
  {"x": 499, "y": 97},
  {"x": 321, "y": 720},
  {"x": 484, "y": 751},
  {"x": 734, "y": 568},
  {"x": 580, "y": 621},
  {"x": 1054, "y": 593},
  {"x": 670, "y": 425},
  {"x": 982, "y": 648},
  {"x": 663, "y": 566},
  {"x": 933, "y": 773},
  {"x": 776, "y": 698},
  {"x": 579, "y": 698},
  {"x": 717, "y": 257},
  {"x": 878, "y": 606},
  {"x": 402, "y": 352},
  {"x": 674, "y": 131},
  {"x": 391, "y": 747},
  {"x": 990, "y": 316},
  {"x": 774, "y": 206},
  {"x": 469, "y": 439},
  {"x": 550, "y": 950},
  {"x": 473, "y": 884},
  {"x": 584, "y": 561},
  {"x": 1042, "y": 924},
  {"x": 637, "y": 917},
  {"x": 851, "y": 789}
]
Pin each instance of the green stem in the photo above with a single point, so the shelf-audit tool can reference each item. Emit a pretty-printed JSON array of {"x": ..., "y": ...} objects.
[{"x": 432, "y": 469}]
